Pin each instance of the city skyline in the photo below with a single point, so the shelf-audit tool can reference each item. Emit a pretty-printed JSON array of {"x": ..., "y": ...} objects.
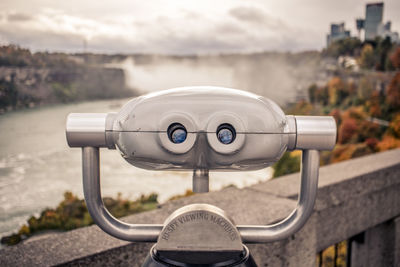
[
  {"x": 181, "y": 27},
  {"x": 372, "y": 25}
]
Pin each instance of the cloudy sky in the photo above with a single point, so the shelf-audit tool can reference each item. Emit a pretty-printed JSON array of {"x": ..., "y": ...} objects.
[{"x": 178, "y": 26}]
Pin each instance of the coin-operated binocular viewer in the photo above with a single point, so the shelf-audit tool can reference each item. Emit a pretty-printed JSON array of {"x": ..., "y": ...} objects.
[{"x": 200, "y": 129}]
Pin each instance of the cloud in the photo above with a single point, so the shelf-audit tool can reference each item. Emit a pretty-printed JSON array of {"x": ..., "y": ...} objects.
[
  {"x": 258, "y": 17},
  {"x": 15, "y": 17},
  {"x": 239, "y": 29},
  {"x": 205, "y": 26},
  {"x": 248, "y": 14}
]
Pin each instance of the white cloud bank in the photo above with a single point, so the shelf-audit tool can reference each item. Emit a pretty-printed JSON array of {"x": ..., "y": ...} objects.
[{"x": 167, "y": 27}]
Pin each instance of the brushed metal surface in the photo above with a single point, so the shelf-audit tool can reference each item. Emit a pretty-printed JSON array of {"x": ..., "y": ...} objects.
[
  {"x": 296, "y": 220},
  {"x": 86, "y": 129},
  {"x": 315, "y": 132},
  {"x": 200, "y": 181},
  {"x": 100, "y": 215}
]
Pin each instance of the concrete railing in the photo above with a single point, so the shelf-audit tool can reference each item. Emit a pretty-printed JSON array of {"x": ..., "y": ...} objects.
[{"x": 356, "y": 197}]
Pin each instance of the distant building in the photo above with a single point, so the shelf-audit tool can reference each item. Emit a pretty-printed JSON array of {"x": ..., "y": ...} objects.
[
  {"x": 373, "y": 24},
  {"x": 360, "y": 23},
  {"x": 338, "y": 32},
  {"x": 373, "y": 20},
  {"x": 388, "y": 26},
  {"x": 385, "y": 30}
]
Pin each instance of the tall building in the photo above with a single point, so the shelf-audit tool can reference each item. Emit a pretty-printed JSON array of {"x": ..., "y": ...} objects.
[
  {"x": 373, "y": 20},
  {"x": 385, "y": 30},
  {"x": 360, "y": 25},
  {"x": 338, "y": 32},
  {"x": 388, "y": 26}
]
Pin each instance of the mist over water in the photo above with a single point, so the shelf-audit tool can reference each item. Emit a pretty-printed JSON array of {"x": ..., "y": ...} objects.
[
  {"x": 280, "y": 77},
  {"x": 164, "y": 74}
]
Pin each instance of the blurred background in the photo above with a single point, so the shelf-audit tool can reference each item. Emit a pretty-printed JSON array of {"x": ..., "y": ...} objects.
[{"x": 339, "y": 58}]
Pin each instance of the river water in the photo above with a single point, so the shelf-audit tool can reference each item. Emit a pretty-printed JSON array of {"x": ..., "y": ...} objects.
[{"x": 37, "y": 166}]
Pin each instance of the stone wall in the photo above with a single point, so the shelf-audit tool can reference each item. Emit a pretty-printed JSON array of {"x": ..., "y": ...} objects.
[{"x": 359, "y": 196}]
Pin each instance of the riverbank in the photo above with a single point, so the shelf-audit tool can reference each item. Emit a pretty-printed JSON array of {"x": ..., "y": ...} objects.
[{"x": 34, "y": 79}]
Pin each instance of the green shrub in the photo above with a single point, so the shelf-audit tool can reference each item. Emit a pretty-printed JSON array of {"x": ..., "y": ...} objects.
[
  {"x": 287, "y": 164},
  {"x": 72, "y": 213}
]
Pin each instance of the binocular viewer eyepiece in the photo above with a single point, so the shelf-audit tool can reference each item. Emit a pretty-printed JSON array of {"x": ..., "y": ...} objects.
[{"x": 200, "y": 129}]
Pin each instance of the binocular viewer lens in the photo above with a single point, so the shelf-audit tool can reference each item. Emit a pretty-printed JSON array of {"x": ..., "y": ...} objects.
[
  {"x": 177, "y": 133},
  {"x": 226, "y": 134}
]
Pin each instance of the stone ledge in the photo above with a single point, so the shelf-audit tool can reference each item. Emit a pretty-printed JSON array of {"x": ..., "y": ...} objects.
[
  {"x": 242, "y": 205},
  {"x": 288, "y": 186},
  {"x": 351, "y": 198}
]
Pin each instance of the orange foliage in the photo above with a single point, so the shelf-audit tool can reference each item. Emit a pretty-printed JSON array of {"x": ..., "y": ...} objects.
[
  {"x": 357, "y": 134},
  {"x": 393, "y": 92},
  {"x": 395, "y": 58},
  {"x": 336, "y": 82},
  {"x": 349, "y": 151},
  {"x": 336, "y": 114},
  {"x": 388, "y": 142},
  {"x": 374, "y": 105},
  {"x": 50, "y": 213},
  {"x": 372, "y": 143},
  {"x": 321, "y": 95},
  {"x": 357, "y": 127},
  {"x": 354, "y": 113},
  {"x": 394, "y": 126},
  {"x": 367, "y": 130},
  {"x": 303, "y": 107},
  {"x": 352, "y": 88},
  {"x": 336, "y": 88},
  {"x": 347, "y": 130}
]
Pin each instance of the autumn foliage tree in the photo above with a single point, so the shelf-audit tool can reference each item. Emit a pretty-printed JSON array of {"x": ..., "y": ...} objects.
[
  {"x": 336, "y": 114},
  {"x": 393, "y": 92},
  {"x": 394, "y": 126},
  {"x": 395, "y": 58},
  {"x": 347, "y": 130},
  {"x": 367, "y": 58},
  {"x": 374, "y": 105},
  {"x": 337, "y": 91},
  {"x": 355, "y": 105}
]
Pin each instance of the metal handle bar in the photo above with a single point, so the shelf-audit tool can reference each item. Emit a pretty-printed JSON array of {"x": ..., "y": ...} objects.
[
  {"x": 99, "y": 213},
  {"x": 150, "y": 232},
  {"x": 296, "y": 220}
]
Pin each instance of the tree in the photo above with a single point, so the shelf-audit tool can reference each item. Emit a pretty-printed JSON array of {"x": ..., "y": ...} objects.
[
  {"x": 365, "y": 88},
  {"x": 393, "y": 92},
  {"x": 335, "y": 113},
  {"x": 395, "y": 58},
  {"x": 347, "y": 130},
  {"x": 322, "y": 96},
  {"x": 367, "y": 58},
  {"x": 287, "y": 164},
  {"x": 311, "y": 92},
  {"x": 394, "y": 126},
  {"x": 381, "y": 52},
  {"x": 347, "y": 46},
  {"x": 8, "y": 94},
  {"x": 374, "y": 104},
  {"x": 337, "y": 91}
]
